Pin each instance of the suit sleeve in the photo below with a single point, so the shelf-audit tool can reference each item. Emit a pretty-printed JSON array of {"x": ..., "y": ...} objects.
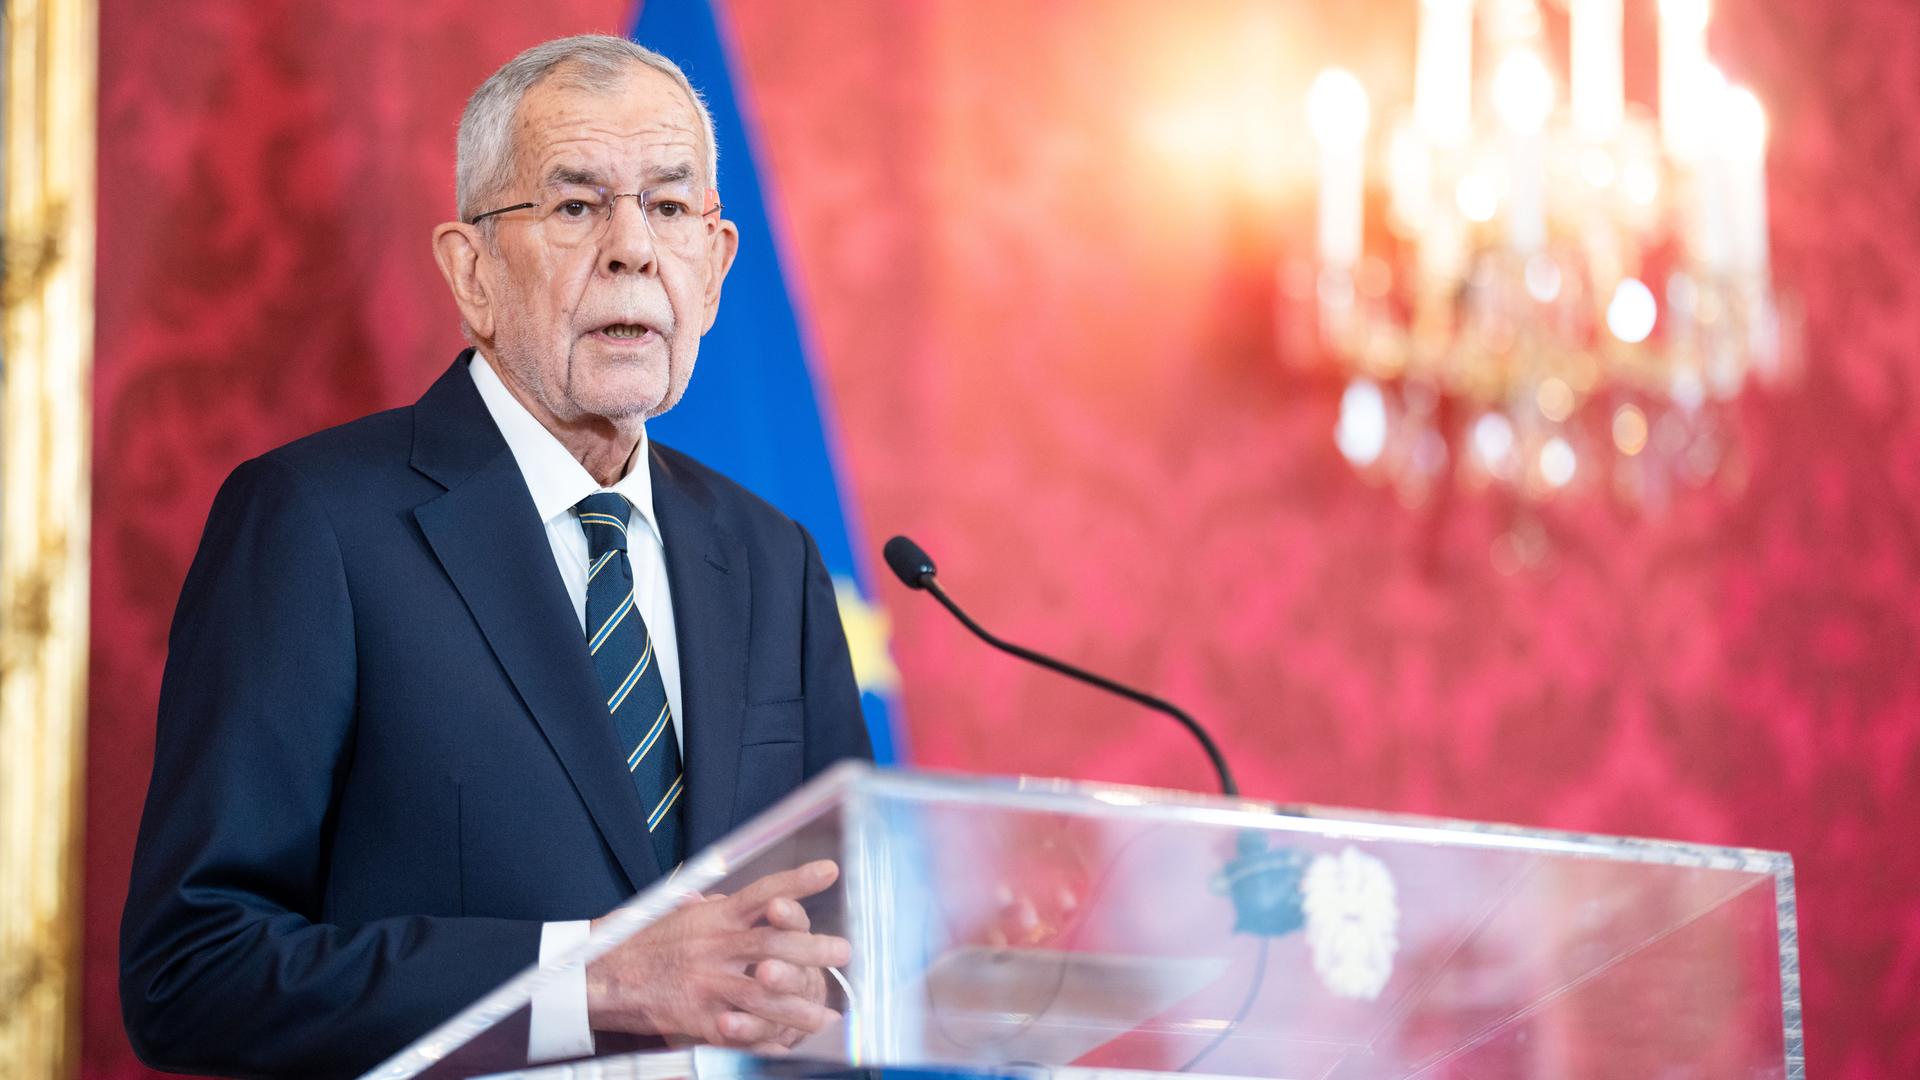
[
  {"x": 227, "y": 965},
  {"x": 836, "y": 728}
]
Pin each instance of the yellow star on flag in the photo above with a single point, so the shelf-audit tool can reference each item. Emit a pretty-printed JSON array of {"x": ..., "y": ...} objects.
[{"x": 868, "y": 630}]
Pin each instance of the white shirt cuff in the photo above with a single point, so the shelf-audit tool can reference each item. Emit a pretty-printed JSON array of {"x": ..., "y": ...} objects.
[{"x": 559, "y": 1027}]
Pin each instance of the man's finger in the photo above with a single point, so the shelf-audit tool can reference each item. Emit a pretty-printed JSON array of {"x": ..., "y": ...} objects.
[
  {"x": 806, "y": 950},
  {"x": 785, "y": 978},
  {"x": 805, "y": 880},
  {"x": 783, "y": 1009},
  {"x": 744, "y": 1029},
  {"x": 788, "y": 914}
]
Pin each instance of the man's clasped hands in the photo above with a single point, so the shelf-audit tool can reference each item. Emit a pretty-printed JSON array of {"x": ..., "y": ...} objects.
[{"x": 744, "y": 970}]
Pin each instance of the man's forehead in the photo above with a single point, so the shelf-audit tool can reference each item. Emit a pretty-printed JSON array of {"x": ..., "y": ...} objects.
[{"x": 645, "y": 123}]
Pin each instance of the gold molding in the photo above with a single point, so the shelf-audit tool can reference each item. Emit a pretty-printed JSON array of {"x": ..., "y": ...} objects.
[{"x": 46, "y": 348}]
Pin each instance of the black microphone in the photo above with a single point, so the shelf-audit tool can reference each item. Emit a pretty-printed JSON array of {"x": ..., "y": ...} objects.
[
  {"x": 915, "y": 570},
  {"x": 910, "y": 564},
  {"x": 1264, "y": 885}
]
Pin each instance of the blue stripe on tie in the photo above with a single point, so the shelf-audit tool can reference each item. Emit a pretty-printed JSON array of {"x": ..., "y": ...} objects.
[
  {"x": 653, "y": 736},
  {"x": 604, "y": 519},
  {"x": 613, "y": 620},
  {"x": 619, "y": 697},
  {"x": 600, "y": 564},
  {"x": 666, "y": 803}
]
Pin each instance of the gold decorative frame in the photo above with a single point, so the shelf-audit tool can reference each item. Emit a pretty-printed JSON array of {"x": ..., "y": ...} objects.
[{"x": 50, "y": 77}]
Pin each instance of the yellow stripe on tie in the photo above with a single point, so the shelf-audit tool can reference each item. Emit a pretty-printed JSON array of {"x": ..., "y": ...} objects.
[
  {"x": 599, "y": 564},
  {"x": 653, "y": 736},
  {"x": 666, "y": 804},
  {"x": 619, "y": 613},
  {"x": 603, "y": 519},
  {"x": 633, "y": 678}
]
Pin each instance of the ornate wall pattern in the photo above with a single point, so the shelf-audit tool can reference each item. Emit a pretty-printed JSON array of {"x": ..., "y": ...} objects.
[{"x": 1055, "y": 359}]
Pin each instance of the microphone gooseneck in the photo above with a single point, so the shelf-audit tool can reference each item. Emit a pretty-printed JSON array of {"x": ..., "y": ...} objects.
[
  {"x": 915, "y": 570},
  {"x": 1263, "y": 885}
]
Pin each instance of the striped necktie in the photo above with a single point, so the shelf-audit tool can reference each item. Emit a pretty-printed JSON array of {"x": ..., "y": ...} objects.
[{"x": 622, "y": 652}]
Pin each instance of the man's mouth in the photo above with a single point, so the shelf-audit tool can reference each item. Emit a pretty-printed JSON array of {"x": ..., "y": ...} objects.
[{"x": 624, "y": 331}]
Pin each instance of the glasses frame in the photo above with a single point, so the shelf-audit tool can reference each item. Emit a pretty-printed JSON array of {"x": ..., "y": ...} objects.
[{"x": 639, "y": 198}]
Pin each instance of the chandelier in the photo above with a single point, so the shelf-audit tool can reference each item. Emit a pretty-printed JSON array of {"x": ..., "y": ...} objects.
[{"x": 1568, "y": 291}]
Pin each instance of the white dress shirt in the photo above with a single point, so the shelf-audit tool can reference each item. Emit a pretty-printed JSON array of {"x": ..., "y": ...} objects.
[{"x": 557, "y": 481}]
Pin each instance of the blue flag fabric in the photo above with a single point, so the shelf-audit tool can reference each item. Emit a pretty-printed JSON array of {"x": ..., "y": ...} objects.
[{"x": 754, "y": 411}]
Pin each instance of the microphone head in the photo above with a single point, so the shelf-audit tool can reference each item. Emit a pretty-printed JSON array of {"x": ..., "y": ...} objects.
[{"x": 910, "y": 564}]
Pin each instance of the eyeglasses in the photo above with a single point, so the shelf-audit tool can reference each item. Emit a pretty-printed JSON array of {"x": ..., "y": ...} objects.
[{"x": 572, "y": 215}]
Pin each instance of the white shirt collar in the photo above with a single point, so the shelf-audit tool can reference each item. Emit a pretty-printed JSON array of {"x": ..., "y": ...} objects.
[{"x": 554, "y": 476}]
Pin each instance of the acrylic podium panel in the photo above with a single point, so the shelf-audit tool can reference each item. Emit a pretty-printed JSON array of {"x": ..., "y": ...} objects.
[{"x": 1017, "y": 928}]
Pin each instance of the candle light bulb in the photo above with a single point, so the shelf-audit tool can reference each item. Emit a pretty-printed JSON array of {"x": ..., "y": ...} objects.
[
  {"x": 1687, "y": 103},
  {"x": 1708, "y": 90},
  {"x": 1597, "y": 68},
  {"x": 1409, "y": 180},
  {"x": 1685, "y": 14},
  {"x": 1523, "y": 99},
  {"x": 1337, "y": 109},
  {"x": 1337, "y": 112},
  {"x": 1741, "y": 180},
  {"x": 1523, "y": 92},
  {"x": 1743, "y": 119},
  {"x": 1713, "y": 180},
  {"x": 1443, "y": 72}
]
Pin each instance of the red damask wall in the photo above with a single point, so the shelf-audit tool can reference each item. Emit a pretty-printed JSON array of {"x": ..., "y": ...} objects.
[{"x": 1052, "y": 350}]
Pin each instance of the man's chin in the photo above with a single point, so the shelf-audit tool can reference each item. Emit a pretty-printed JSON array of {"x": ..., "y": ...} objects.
[
  {"x": 619, "y": 388},
  {"x": 639, "y": 402}
]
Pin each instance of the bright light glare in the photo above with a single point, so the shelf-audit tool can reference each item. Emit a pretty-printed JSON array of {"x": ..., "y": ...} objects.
[
  {"x": 1556, "y": 462},
  {"x": 1629, "y": 429},
  {"x": 1692, "y": 113},
  {"x": 1707, "y": 96},
  {"x": 1641, "y": 182},
  {"x": 1709, "y": 85},
  {"x": 1554, "y": 398},
  {"x": 1492, "y": 440},
  {"x": 1477, "y": 198},
  {"x": 1684, "y": 14},
  {"x": 1337, "y": 109},
  {"x": 1631, "y": 313},
  {"x": 1362, "y": 431},
  {"x": 1743, "y": 124},
  {"x": 1523, "y": 92}
]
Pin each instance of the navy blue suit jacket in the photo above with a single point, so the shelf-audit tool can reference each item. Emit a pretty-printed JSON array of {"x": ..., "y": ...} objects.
[{"x": 383, "y": 756}]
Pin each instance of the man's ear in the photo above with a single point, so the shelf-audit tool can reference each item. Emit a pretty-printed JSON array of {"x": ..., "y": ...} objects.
[
  {"x": 720, "y": 252},
  {"x": 462, "y": 255}
]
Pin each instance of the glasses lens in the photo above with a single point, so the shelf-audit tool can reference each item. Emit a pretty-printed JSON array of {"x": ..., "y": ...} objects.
[
  {"x": 673, "y": 215},
  {"x": 572, "y": 216}
]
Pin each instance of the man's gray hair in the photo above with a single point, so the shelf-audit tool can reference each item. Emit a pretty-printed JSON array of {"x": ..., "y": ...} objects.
[{"x": 485, "y": 163}]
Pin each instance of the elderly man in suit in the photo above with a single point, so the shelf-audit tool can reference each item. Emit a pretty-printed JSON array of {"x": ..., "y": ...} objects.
[{"x": 449, "y": 681}]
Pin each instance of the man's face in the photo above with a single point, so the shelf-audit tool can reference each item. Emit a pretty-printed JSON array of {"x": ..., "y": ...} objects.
[{"x": 606, "y": 328}]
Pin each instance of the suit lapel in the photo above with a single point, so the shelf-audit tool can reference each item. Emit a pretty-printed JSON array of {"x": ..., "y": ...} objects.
[
  {"x": 492, "y": 544},
  {"x": 712, "y": 600}
]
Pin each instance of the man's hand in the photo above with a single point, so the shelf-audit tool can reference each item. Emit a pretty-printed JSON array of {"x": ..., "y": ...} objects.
[{"x": 741, "y": 970}]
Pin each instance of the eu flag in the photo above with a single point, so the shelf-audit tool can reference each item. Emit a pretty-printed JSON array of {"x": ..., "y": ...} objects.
[{"x": 754, "y": 412}]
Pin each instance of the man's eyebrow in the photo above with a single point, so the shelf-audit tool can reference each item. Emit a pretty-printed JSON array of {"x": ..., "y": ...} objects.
[
  {"x": 670, "y": 174},
  {"x": 574, "y": 175}
]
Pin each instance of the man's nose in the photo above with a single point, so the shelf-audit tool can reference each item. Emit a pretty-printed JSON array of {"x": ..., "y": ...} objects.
[{"x": 627, "y": 244}]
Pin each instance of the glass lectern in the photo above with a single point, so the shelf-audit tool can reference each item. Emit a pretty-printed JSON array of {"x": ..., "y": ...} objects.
[{"x": 1026, "y": 928}]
